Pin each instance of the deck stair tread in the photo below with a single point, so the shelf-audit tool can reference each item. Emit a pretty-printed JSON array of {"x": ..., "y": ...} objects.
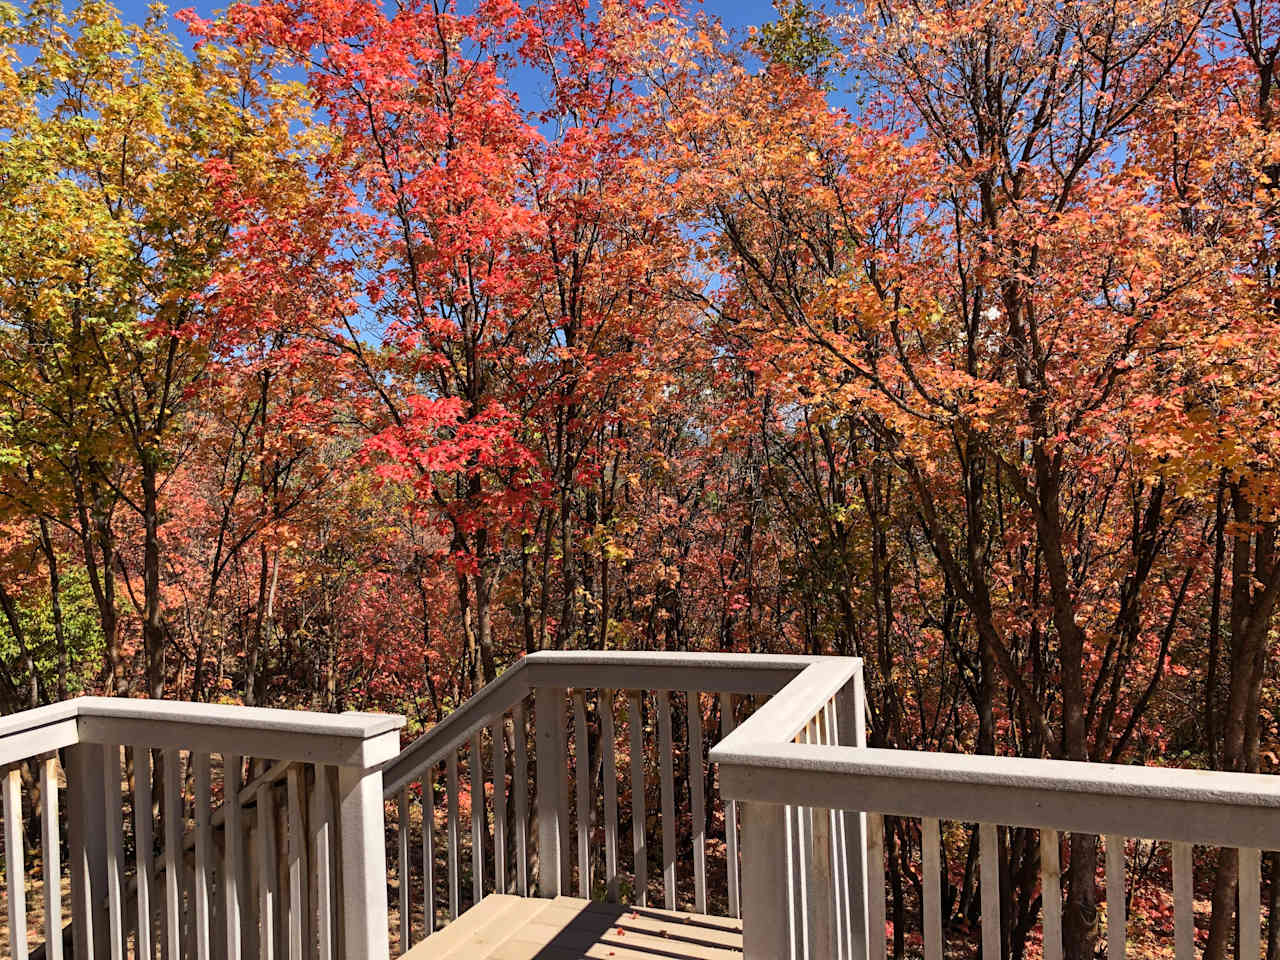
[
  {"x": 567, "y": 928},
  {"x": 489, "y": 910}
]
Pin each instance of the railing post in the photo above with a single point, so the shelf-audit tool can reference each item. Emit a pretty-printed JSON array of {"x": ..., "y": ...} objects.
[
  {"x": 851, "y": 730},
  {"x": 548, "y": 705},
  {"x": 766, "y": 904},
  {"x": 87, "y": 838},
  {"x": 363, "y": 850}
]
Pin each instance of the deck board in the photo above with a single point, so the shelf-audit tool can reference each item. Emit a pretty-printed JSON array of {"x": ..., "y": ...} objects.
[{"x": 567, "y": 928}]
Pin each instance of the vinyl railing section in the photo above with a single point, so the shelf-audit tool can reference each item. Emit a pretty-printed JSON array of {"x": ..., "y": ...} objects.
[
  {"x": 584, "y": 774},
  {"x": 728, "y": 784},
  {"x": 181, "y": 830},
  {"x": 813, "y": 824}
]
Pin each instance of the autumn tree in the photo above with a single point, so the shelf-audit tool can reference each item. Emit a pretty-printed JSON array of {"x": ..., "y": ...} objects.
[{"x": 113, "y": 229}]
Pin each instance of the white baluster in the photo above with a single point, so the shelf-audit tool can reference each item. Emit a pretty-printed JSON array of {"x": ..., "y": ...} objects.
[
  {"x": 1250, "y": 889},
  {"x": 605, "y": 707},
  {"x": 520, "y": 783},
  {"x": 322, "y": 833},
  {"x": 697, "y": 801},
  {"x": 232, "y": 867},
  {"x": 498, "y": 744},
  {"x": 299, "y": 872},
  {"x": 1051, "y": 891},
  {"x": 15, "y": 864},
  {"x": 1116, "y": 920},
  {"x": 727, "y": 725},
  {"x": 402, "y": 835},
  {"x": 204, "y": 856},
  {"x": 667, "y": 776},
  {"x": 173, "y": 830},
  {"x": 930, "y": 842},
  {"x": 50, "y": 844},
  {"x": 635, "y": 724},
  {"x": 582, "y": 780},
  {"x": 479, "y": 830},
  {"x": 1184, "y": 923},
  {"x": 451, "y": 826},
  {"x": 989, "y": 878}
]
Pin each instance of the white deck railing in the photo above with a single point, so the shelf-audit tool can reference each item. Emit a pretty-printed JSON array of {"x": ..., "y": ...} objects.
[
  {"x": 784, "y": 771},
  {"x": 558, "y": 715},
  {"x": 177, "y": 846},
  {"x": 291, "y": 863}
]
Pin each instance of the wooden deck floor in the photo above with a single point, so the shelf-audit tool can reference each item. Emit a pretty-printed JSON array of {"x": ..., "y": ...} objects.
[{"x": 516, "y": 928}]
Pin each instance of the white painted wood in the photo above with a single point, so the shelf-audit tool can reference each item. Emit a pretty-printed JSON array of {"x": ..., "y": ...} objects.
[
  {"x": 87, "y": 836},
  {"x": 930, "y": 843},
  {"x": 796, "y": 876},
  {"x": 660, "y": 671},
  {"x": 781, "y": 718},
  {"x": 804, "y": 903},
  {"x": 766, "y": 916},
  {"x": 667, "y": 785},
  {"x": 1051, "y": 893},
  {"x": 479, "y": 828},
  {"x": 232, "y": 863},
  {"x": 364, "y": 864},
  {"x": 820, "y": 888},
  {"x": 452, "y": 833},
  {"x": 617, "y": 670},
  {"x": 520, "y": 785},
  {"x": 582, "y": 781},
  {"x": 115, "y": 849},
  {"x": 635, "y": 726},
  {"x": 266, "y": 856},
  {"x": 875, "y": 888},
  {"x": 1117, "y": 922},
  {"x": 849, "y": 707},
  {"x": 15, "y": 864},
  {"x": 402, "y": 870},
  {"x": 498, "y": 745},
  {"x": 51, "y": 862},
  {"x": 488, "y": 703},
  {"x": 1184, "y": 925},
  {"x": 549, "y": 755},
  {"x": 322, "y": 833},
  {"x": 610, "y": 775},
  {"x": 428, "y": 851},
  {"x": 358, "y": 739},
  {"x": 144, "y": 847},
  {"x": 561, "y": 755},
  {"x": 204, "y": 857},
  {"x": 727, "y": 724},
  {"x": 299, "y": 870},
  {"x": 838, "y": 879},
  {"x": 1250, "y": 905},
  {"x": 252, "y": 858},
  {"x": 989, "y": 879},
  {"x": 173, "y": 831},
  {"x": 30, "y": 737},
  {"x": 697, "y": 801},
  {"x": 1128, "y": 801}
]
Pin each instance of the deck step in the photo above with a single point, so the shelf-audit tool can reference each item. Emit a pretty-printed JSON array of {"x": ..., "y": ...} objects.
[
  {"x": 566, "y": 928},
  {"x": 489, "y": 910}
]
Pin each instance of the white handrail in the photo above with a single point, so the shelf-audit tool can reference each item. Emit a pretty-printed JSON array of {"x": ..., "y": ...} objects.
[
  {"x": 342, "y": 739},
  {"x": 346, "y": 751},
  {"x": 598, "y": 670},
  {"x": 492, "y": 700},
  {"x": 788, "y": 778},
  {"x": 1157, "y": 803}
]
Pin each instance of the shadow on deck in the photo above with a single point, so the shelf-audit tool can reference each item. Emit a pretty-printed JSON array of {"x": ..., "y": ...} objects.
[{"x": 566, "y": 928}]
